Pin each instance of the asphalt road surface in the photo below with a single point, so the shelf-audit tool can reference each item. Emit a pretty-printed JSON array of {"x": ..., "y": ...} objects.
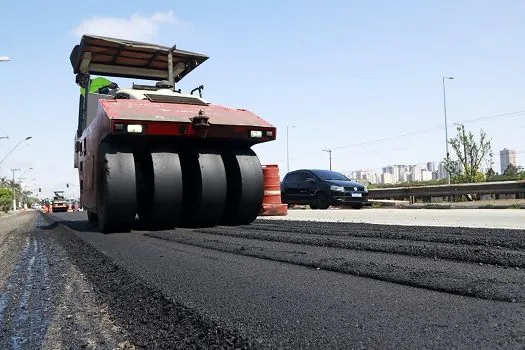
[
  {"x": 275, "y": 284},
  {"x": 482, "y": 218}
]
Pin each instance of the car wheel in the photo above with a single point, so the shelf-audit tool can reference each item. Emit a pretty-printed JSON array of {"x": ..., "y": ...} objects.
[
  {"x": 357, "y": 206},
  {"x": 313, "y": 206},
  {"x": 322, "y": 201}
]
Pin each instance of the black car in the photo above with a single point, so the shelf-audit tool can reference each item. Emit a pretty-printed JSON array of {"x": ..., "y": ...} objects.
[{"x": 322, "y": 188}]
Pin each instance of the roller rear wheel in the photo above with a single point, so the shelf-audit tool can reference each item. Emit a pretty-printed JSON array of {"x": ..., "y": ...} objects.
[
  {"x": 204, "y": 190},
  {"x": 116, "y": 189},
  {"x": 160, "y": 189},
  {"x": 245, "y": 187}
]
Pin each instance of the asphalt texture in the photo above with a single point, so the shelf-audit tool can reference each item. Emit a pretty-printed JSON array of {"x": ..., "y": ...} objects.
[{"x": 301, "y": 285}]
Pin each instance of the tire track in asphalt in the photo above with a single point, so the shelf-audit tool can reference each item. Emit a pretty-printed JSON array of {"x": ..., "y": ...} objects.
[
  {"x": 459, "y": 252},
  {"x": 483, "y": 269},
  {"x": 508, "y": 238}
]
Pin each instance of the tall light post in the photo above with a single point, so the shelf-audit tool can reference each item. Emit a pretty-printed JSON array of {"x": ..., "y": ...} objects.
[
  {"x": 446, "y": 124},
  {"x": 330, "y": 155},
  {"x": 14, "y": 189},
  {"x": 288, "y": 147},
  {"x": 16, "y": 146}
]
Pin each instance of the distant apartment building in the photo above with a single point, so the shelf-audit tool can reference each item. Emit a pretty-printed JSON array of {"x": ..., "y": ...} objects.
[
  {"x": 368, "y": 175},
  {"x": 387, "y": 178},
  {"x": 373, "y": 178},
  {"x": 507, "y": 157},
  {"x": 442, "y": 172},
  {"x": 415, "y": 173},
  {"x": 426, "y": 175},
  {"x": 392, "y": 171},
  {"x": 400, "y": 173}
]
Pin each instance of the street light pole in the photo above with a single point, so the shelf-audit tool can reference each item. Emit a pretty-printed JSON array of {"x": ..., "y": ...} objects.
[
  {"x": 13, "y": 185},
  {"x": 288, "y": 148},
  {"x": 330, "y": 155},
  {"x": 16, "y": 146},
  {"x": 446, "y": 124}
]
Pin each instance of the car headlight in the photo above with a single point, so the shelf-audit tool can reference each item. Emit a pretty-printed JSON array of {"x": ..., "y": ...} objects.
[{"x": 337, "y": 188}]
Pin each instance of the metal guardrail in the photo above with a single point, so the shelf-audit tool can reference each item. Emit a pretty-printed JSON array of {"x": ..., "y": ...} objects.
[{"x": 500, "y": 187}]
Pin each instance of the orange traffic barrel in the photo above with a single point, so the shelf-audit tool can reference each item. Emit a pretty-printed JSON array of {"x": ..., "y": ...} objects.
[{"x": 272, "y": 205}]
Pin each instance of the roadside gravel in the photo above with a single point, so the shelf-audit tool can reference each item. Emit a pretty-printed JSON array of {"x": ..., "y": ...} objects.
[{"x": 45, "y": 302}]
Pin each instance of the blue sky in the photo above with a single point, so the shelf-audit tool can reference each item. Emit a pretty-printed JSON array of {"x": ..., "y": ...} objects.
[{"x": 344, "y": 73}]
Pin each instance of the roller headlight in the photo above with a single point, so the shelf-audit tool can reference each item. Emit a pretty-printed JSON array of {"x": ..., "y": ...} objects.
[
  {"x": 256, "y": 133},
  {"x": 137, "y": 128}
]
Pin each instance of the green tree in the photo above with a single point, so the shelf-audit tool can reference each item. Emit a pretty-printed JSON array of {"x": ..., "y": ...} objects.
[
  {"x": 470, "y": 154},
  {"x": 6, "y": 199},
  {"x": 513, "y": 170},
  {"x": 490, "y": 173},
  {"x": 28, "y": 199}
]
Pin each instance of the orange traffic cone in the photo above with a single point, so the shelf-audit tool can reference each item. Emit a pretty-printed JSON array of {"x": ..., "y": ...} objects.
[{"x": 272, "y": 205}]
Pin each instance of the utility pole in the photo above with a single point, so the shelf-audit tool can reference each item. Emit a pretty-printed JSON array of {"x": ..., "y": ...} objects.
[
  {"x": 13, "y": 184},
  {"x": 330, "y": 155},
  {"x": 446, "y": 127},
  {"x": 21, "y": 199}
]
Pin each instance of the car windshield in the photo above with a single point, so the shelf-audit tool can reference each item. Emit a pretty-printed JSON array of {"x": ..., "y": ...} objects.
[{"x": 330, "y": 175}]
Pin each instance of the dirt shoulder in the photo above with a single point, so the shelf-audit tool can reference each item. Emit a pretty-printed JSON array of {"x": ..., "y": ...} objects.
[
  {"x": 14, "y": 236},
  {"x": 45, "y": 301}
]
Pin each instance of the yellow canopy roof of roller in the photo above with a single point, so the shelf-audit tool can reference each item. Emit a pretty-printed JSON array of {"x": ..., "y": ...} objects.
[{"x": 131, "y": 59}]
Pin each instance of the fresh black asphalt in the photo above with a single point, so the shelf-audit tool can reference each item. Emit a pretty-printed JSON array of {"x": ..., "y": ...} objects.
[{"x": 263, "y": 291}]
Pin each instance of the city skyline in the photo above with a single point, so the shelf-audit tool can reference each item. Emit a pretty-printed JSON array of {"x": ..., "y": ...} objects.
[{"x": 432, "y": 170}]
